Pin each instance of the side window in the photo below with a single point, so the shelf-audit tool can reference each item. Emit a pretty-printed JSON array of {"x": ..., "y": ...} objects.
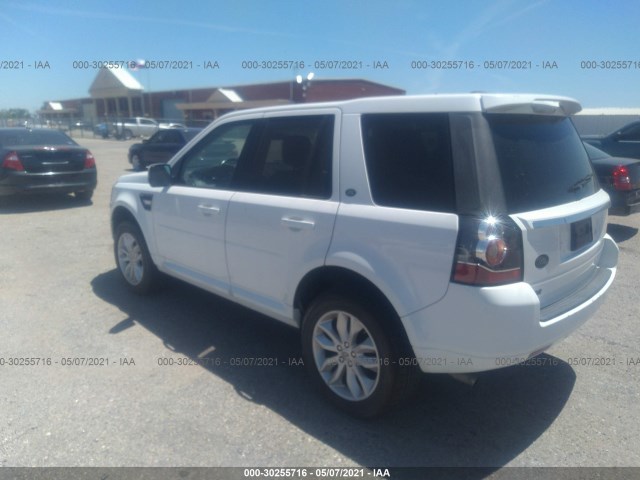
[
  {"x": 212, "y": 162},
  {"x": 409, "y": 162},
  {"x": 171, "y": 136},
  {"x": 159, "y": 137},
  {"x": 293, "y": 158}
]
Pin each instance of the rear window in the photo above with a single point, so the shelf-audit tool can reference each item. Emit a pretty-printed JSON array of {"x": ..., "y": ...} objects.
[
  {"x": 408, "y": 158},
  {"x": 34, "y": 137},
  {"x": 542, "y": 161}
]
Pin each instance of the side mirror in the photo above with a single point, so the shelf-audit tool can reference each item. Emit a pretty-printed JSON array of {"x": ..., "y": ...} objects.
[{"x": 160, "y": 175}]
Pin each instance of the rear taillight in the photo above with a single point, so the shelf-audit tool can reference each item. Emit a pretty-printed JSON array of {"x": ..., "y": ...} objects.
[
  {"x": 11, "y": 161},
  {"x": 621, "y": 180},
  {"x": 89, "y": 160},
  {"x": 488, "y": 252}
]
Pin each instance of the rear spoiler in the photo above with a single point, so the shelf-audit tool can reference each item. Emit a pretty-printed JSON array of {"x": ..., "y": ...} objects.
[{"x": 525, "y": 104}]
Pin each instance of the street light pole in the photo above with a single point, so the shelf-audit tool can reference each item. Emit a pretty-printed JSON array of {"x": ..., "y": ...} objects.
[{"x": 305, "y": 82}]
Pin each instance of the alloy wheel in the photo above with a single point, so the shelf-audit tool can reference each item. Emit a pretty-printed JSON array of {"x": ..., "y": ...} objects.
[
  {"x": 130, "y": 259},
  {"x": 346, "y": 355}
]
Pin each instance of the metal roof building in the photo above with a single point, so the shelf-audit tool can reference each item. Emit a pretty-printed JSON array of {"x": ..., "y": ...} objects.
[{"x": 115, "y": 93}]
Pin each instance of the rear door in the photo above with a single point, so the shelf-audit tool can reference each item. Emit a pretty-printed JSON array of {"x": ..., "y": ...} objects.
[{"x": 281, "y": 219}]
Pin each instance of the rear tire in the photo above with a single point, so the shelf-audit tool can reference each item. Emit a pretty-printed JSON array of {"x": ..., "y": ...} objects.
[
  {"x": 127, "y": 134},
  {"x": 133, "y": 259},
  {"x": 84, "y": 195},
  {"x": 353, "y": 356}
]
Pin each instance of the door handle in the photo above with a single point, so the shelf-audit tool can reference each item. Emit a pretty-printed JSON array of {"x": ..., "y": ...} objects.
[
  {"x": 295, "y": 223},
  {"x": 208, "y": 210}
]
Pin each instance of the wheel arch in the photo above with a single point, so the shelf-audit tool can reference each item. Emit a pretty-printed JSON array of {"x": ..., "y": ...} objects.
[
  {"x": 347, "y": 282},
  {"x": 121, "y": 214}
]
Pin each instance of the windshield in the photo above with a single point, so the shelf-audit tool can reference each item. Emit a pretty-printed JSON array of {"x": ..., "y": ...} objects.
[
  {"x": 542, "y": 161},
  {"x": 16, "y": 138}
]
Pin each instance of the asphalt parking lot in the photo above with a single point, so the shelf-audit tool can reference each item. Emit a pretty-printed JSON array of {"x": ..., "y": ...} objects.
[{"x": 120, "y": 380}]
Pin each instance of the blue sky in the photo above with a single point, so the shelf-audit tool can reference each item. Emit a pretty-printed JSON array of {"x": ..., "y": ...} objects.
[{"x": 229, "y": 32}]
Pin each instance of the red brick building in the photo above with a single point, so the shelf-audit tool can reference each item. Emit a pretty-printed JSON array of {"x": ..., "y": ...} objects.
[{"x": 115, "y": 93}]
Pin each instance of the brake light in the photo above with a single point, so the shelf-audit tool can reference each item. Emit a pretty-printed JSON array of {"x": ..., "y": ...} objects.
[
  {"x": 89, "y": 160},
  {"x": 12, "y": 162},
  {"x": 488, "y": 252},
  {"x": 621, "y": 180}
]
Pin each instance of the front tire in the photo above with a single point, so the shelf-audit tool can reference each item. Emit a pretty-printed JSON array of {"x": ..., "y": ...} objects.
[
  {"x": 133, "y": 259},
  {"x": 352, "y": 355}
]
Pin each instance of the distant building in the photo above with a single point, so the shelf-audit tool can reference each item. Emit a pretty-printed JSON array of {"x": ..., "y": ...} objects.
[
  {"x": 602, "y": 121},
  {"x": 60, "y": 111},
  {"x": 115, "y": 93}
]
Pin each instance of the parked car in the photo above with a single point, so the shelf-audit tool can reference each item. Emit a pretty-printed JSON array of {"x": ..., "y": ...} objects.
[
  {"x": 136, "y": 127},
  {"x": 44, "y": 161},
  {"x": 624, "y": 142},
  {"x": 446, "y": 233},
  {"x": 160, "y": 147},
  {"x": 619, "y": 177},
  {"x": 101, "y": 129}
]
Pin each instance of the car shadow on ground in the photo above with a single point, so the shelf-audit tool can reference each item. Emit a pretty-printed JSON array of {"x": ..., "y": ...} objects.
[
  {"x": 447, "y": 423},
  {"x": 621, "y": 233},
  {"x": 39, "y": 203}
]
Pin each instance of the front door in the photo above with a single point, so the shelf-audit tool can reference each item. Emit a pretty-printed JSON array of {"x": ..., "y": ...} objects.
[{"x": 189, "y": 217}]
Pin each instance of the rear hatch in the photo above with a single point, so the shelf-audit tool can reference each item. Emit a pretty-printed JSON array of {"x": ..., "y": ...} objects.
[{"x": 551, "y": 191}]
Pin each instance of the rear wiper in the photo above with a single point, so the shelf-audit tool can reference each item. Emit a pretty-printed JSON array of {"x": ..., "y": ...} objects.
[{"x": 580, "y": 183}]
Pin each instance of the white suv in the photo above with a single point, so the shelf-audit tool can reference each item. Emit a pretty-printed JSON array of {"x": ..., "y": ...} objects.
[{"x": 447, "y": 233}]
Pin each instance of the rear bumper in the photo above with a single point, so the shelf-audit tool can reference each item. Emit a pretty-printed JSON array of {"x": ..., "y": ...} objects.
[
  {"x": 476, "y": 329},
  {"x": 22, "y": 182},
  {"x": 624, "y": 203}
]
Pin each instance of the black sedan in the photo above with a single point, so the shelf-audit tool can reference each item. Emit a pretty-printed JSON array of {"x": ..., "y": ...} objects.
[
  {"x": 160, "y": 147},
  {"x": 45, "y": 161},
  {"x": 619, "y": 177},
  {"x": 624, "y": 142}
]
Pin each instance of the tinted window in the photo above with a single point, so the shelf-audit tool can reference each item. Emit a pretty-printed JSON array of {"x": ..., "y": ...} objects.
[
  {"x": 160, "y": 136},
  {"x": 631, "y": 133},
  {"x": 212, "y": 162},
  {"x": 34, "y": 137},
  {"x": 408, "y": 159},
  {"x": 293, "y": 158},
  {"x": 542, "y": 161},
  {"x": 172, "y": 136}
]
